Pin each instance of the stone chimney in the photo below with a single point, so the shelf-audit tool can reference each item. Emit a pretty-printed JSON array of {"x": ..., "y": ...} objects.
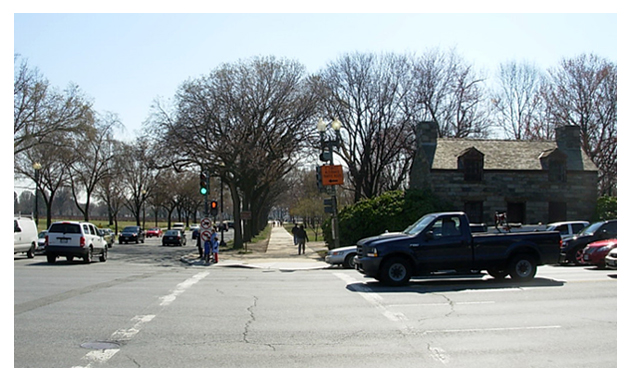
[
  {"x": 569, "y": 141},
  {"x": 426, "y": 145},
  {"x": 568, "y": 138}
]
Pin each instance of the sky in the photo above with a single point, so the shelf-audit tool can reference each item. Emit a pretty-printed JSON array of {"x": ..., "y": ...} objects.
[{"x": 124, "y": 62}]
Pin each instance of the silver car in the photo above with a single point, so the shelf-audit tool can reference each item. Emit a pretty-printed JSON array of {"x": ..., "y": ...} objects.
[{"x": 342, "y": 256}]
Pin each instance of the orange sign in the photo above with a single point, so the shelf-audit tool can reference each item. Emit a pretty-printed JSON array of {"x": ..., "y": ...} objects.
[{"x": 332, "y": 174}]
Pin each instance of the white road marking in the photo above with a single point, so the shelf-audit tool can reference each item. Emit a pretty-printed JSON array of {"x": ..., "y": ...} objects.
[
  {"x": 436, "y": 353},
  {"x": 100, "y": 356},
  {"x": 182, "y": 287},
  {"x": 499, "y": 329}
]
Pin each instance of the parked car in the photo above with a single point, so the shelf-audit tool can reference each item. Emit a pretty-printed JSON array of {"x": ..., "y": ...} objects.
[
  {"x": 594, "y": 232},
  {"x": 595, "y": 253},
  {"x": 41, "y": 242},
  {"x": 174, "y": 237},
  {"x": 567, "y": 229},
  {"x": 342, "y": 256},
  {"x": 611, "y": 259},
  {"x": 154, "y": 232},
  {"x": 75, "y": 239},
  {"x": 132, "y": 234},
  {"x": 108, "y": 236},
  {"x": 24, "y": 236}
]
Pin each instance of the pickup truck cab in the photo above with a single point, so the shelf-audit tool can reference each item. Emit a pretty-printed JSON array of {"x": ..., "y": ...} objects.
[{"x": 443, "y": 241}]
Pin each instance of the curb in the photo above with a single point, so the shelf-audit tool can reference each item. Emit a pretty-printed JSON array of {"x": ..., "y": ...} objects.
[{"x": 270, "y": 264}]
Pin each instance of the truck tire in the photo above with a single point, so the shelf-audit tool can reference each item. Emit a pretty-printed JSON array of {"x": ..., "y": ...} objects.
[
  {"x": 51, "y": 258},
  {"x": 395, "y": 271},
  {"x": 498, "y": 274},
  {"x": 522, "y": 267}
]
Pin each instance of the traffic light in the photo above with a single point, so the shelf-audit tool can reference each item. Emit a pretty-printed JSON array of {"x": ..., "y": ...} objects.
[
  {"x": 214, "y": 208},
  {"x": 319, "y": 179},
  {"x": 203, "y": 184},
  {"x": 330, "y": 204},
  {"x": 325, "y": 156}
]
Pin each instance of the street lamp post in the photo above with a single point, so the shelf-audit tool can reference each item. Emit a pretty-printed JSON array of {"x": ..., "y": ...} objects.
[
  {"x": 36, "y": 166},
  {"x": 327, "y": 154}
]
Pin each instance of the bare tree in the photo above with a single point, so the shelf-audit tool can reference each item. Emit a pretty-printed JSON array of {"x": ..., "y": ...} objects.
[
  {"x": 89, "y": 163},
  {"x": 111, "y": 189},
  {"x": 518, "y": 101},
  {"x": 39, "y": 110},
  {"x": 451, "y": 94},
  {"x": 371, "y": 95},
  {"x": 583, "y": 92},
  {"x": 53, "y": 175},
  {"x": 244, "y": 122},
  {"x": 139, "y": 175}
]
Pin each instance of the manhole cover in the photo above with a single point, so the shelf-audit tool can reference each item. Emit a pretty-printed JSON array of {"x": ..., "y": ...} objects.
[{"x": 100, "y": 345}]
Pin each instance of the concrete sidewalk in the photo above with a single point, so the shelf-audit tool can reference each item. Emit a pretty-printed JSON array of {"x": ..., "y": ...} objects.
[{"x": 280, "y": 254}]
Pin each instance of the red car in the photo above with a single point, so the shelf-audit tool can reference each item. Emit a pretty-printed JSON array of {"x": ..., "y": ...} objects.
[
  {"x": 154, "y": 232},
  {"x": 595, "y": 253}
]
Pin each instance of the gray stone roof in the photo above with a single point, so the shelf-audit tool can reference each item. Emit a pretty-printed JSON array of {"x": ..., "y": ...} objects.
[{"x": 506, "y": 154}]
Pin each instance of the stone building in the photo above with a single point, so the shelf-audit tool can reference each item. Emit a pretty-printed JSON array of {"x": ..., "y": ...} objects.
[{"x": 533, "y": 181}]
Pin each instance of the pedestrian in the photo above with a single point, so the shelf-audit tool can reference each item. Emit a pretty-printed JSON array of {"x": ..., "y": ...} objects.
[
  {"x": 294, "y": 233},
  {"x": 215, "y": 246},
  {"x": 198, "y": 242},
  {"x": 207, "y": 251},
  {"x": 301, "y": 238}
]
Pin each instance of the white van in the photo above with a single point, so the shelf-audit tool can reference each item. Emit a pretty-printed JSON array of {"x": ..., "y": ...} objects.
[{"x": 24, "y": 236}]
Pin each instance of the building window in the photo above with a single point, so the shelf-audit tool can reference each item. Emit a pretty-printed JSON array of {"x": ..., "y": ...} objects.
[
  {"x": 516, "y": 212},
  {"x": 554, "y": 161},
  {"x": 557, "y": 171},
  {"x": 470, "y": 162},
  {"x": 557, "y": 211},
  {"x": 474, "y": 211}
]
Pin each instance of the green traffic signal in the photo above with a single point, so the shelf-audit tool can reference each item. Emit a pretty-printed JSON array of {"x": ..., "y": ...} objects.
[{"x": 203, "y": 184}]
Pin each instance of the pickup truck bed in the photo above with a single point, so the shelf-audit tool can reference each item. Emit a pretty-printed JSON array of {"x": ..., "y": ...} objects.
[{"x": 443, "y": 241}]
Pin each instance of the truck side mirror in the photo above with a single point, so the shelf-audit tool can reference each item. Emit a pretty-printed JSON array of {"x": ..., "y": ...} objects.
[{"x": 429, "y": 235}]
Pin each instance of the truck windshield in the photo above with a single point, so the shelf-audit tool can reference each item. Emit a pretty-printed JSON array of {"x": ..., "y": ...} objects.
[{"x": 420, "y": 225}]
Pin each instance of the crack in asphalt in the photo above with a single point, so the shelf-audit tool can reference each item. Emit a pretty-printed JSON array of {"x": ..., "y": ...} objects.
[{"x": 251, "y": 312}]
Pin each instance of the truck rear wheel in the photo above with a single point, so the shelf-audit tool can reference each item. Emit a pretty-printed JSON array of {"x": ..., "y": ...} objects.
[
  {"x": 522, "y": 267},
  {"x": 395, "y": 272}
]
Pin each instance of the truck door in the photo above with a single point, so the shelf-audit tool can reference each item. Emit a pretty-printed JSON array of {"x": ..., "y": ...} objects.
[{"x": 444, "y": 245}]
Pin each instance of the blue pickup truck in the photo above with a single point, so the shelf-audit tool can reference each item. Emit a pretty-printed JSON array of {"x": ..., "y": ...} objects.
[{"x": 442, "y": 242}]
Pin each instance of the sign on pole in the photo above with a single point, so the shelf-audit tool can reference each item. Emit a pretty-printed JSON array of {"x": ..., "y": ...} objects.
[
  {"x": 206, "y": 235},
  {"x": 332, "y": 175},
  {"x": 206, "y": 223}
]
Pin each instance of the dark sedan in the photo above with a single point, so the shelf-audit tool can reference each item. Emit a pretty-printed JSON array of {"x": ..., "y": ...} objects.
[
  {"x": 571, "y": 247},
  {"x": 132, "y": 234},
  {"x": 174, "y": 237}
]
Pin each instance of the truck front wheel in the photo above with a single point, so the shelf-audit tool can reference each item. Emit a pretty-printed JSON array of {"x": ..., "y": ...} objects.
[
  {"x": 522, "y": 268},
  {"x": 498, "y": 274},
  {"x": 395, "y": 271}
]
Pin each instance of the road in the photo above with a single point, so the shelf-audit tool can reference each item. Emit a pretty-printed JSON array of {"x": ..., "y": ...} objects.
[{"x": 145, "y": 308}]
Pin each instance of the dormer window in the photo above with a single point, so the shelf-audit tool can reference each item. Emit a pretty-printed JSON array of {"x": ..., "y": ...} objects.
[
  {"x": 557, "y": 171},
  {"x": 554, "y": 161},
  {"x": 470, "y": 162}
]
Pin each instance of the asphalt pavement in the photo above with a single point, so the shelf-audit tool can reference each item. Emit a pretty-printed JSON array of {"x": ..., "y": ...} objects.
[{"x": 280, "y": 253}]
